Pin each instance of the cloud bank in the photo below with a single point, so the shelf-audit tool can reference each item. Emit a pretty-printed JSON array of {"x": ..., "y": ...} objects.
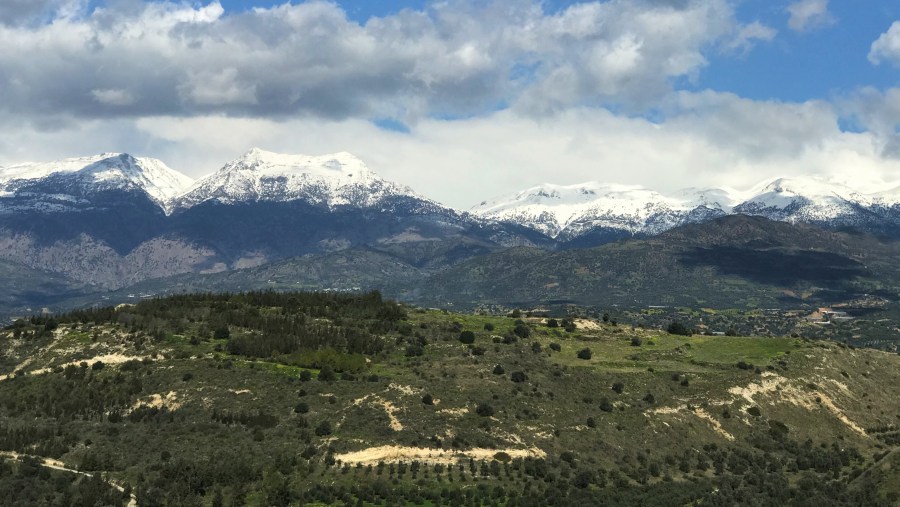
[{"x": 500, "y": 95}]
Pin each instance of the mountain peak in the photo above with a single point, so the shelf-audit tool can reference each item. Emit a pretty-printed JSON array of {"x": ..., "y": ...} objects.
[
  {"x": 100, "y": 172},
  {"x": 260, "y": 175}
]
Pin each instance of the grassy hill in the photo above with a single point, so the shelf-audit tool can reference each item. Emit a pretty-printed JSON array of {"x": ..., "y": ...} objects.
[{"x": 289, "y": 399}]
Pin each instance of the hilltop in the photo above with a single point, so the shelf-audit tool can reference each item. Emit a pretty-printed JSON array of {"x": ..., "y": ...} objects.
[{"x": 271, "y": 399}]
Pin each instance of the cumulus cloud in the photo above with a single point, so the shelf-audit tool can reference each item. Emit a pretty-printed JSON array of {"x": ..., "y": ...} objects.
[
  {"x": 809, "y": 15},
  {"x": 748, "y": 35},
  {"x": 887, "y": 47},
  {"x": 456, "y": 58}
]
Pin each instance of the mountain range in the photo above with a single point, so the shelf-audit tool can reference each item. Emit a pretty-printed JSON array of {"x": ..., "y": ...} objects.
[
  {"x": 591, "y": 212},
  {"x": 107, "y": 222}
]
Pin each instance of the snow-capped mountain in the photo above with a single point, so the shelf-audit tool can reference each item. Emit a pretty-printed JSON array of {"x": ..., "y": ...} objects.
[
  {"x": 334, "y": 180},
  {"x": 568, "y": 212},
  {"x": 74, "y": 179}
]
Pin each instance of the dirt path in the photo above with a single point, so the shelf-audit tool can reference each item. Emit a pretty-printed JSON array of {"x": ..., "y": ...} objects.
[
  {"x": 396, "y": 454},
  {"x": 59, "y": 465}
]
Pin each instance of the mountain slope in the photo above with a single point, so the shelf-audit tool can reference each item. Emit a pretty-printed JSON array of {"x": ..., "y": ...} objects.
[{"x": 729, "y": 262}]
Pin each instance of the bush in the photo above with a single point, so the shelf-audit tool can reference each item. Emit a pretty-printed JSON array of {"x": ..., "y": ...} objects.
[
  {"x": 326, "y": 374},
  {"x": 498, "y": 370},
  {"x": 536, "y": 347},
  {"x": 222, "y": 333},
  {"x": 98, "y": 366},
  {"x": 428, "y": 399},
  {"x": 415, "y": 350},
  {"x": 323, "y": 429},
  {"x": 522, "y": 331},
  {"x": 678, "y": 328},
  {"x": 305, "y": 376},
  {"x": 585, "y": 353},
  {"x": 488, "y": 327},
  {"x": 301, "y": 408},
  {"x": 555, "y": 347},
  {"x": 591, "y": 423},
  {"x": 635, "y": 341},
  {"x": 618, "y": 387},
  {"x": 650, "y": 399},
  {"x": 606, "y": 405},
  {"x": 187, "y": 376},
  {"x": 518, "y": 376},
  {"x": 467, "y": 337},
  {"x": 552, "y": 323},
  {"x": 484, "y": 410}
]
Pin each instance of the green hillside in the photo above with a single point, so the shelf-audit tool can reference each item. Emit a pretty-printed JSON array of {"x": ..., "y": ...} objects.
[{"x": 303, "y": 398}]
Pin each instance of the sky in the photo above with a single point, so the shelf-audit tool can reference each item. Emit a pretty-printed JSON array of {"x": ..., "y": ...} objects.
[{"x": 466, "y": 100}]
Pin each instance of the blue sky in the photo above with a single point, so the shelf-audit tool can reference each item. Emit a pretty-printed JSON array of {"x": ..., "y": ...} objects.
[{"x": 465, "y": 99}]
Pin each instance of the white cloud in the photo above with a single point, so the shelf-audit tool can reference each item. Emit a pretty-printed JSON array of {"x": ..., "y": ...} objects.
[
  {"x": 887, "y": 47},
  {"x": 458, "y": 58},
  {"x": 809, "y": 15},
  {"x": 748, "y": 35},
  {"x": 708, "y": 139}
]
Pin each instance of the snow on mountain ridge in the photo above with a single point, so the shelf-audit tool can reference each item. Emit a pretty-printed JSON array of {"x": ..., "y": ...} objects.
[
  {"x": 258, "y": 175},
  {"x": 568, "y": 211},
  {"x": 104, "y": 171}
]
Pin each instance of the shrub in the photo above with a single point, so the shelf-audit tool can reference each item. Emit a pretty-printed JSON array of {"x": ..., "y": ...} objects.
[
  {"x": 326, "y": 374},
  {"x": 585, "y": 353},
  {"x": 301, "y": 408},
  {"x": 650, "y": 398},
  {"x": 488, "y": 327},
  {"x": 591, "y": 423},
  {"x": 618, "y": 387},
  {"x": 323, "y": 429},
  {"x": 467, "y": 337},
  {"x": 428, "y": 399},
  {"x": 555, "y": 347},
  {"x": 98, "y": 366},
  {"x": 498, "y": 370},
  {"x": 536, "y": 347},
  {"x": 678, "y": 328},
  {"x": 518, "y": 376},
  {"x": 635, "y": 341},
  {"x": 754, "y": 411},
  {"x": 415, "y": 350},
  {"x": 606, "y": 405},
  {"x": 187, "y": 376},
  {"x": 305, "y": 376},
  {"x": 552, "y": 323},
  {"x": 221, "y": 333},
  {"x": 522, "y": 331},
  {"x": 484, "y": 410}
]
